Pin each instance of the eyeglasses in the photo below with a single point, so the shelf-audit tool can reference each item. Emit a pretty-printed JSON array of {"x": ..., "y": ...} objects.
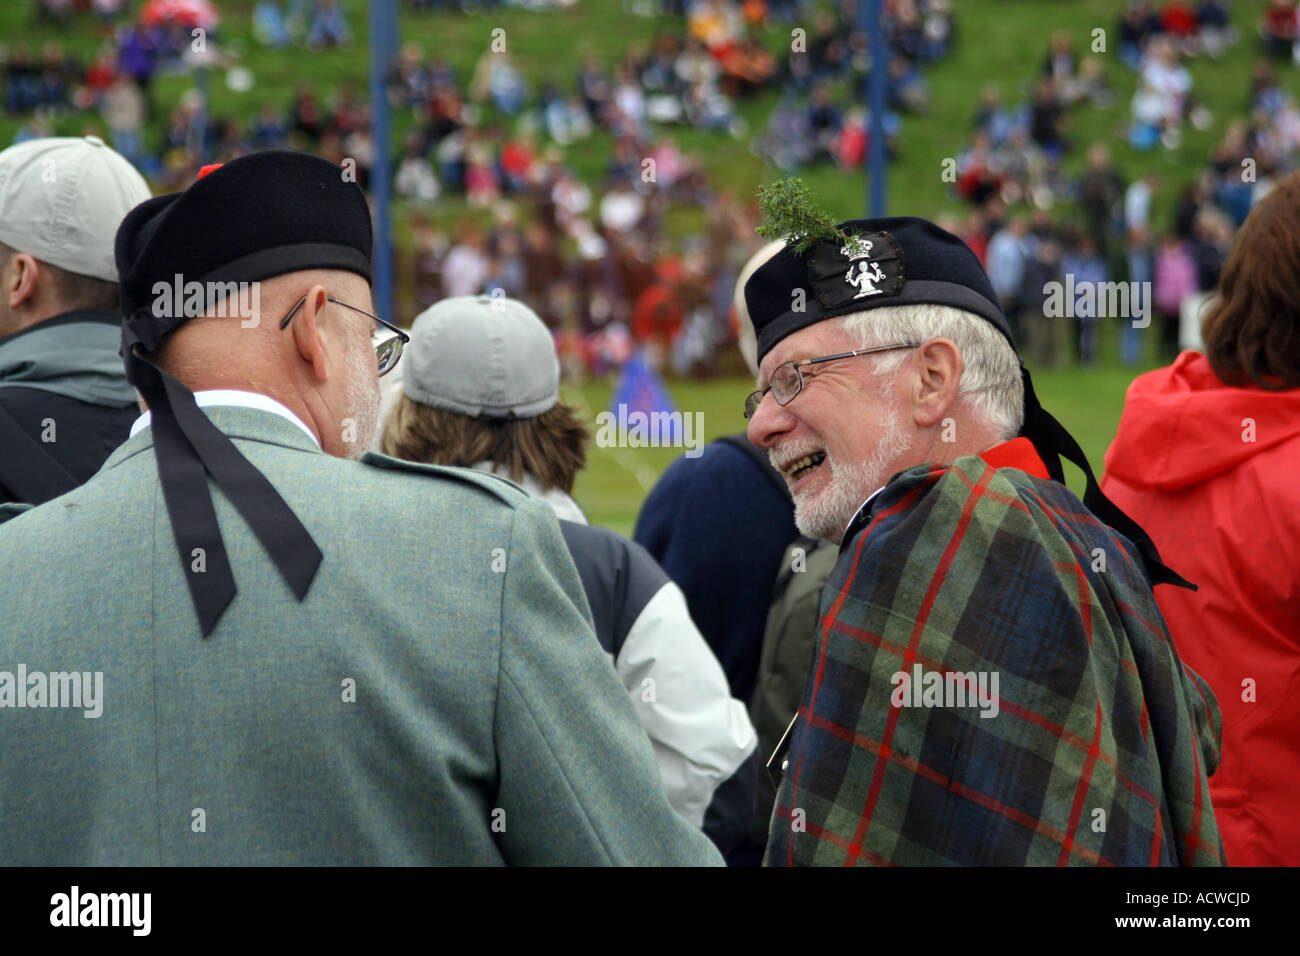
[
  {"x": 386, "y": 339},
  {"x": 787, "y": 379}
]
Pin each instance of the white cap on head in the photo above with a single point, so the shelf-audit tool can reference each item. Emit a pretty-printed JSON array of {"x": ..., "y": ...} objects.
[
  {"x": 62, "y": 199},
  {"x": 483, "y": 356}
]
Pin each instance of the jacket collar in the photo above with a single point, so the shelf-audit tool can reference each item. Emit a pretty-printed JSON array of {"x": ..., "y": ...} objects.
[
  {"x": 1018, "y": 453},
  {"x": 253, "y": 424},
  {"x": 97, "y": 316}
]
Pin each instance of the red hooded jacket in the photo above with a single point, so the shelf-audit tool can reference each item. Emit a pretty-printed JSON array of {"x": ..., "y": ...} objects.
[{"x": 1212, "y": 472}]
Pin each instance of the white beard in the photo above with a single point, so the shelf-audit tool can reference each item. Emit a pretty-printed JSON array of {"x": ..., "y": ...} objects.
[{"x": 827, "y": 513}]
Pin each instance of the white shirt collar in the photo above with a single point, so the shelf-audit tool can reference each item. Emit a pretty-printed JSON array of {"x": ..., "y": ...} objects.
[
  {"x": 237, "y": 398},
  {"x": 564, "y": 507}
]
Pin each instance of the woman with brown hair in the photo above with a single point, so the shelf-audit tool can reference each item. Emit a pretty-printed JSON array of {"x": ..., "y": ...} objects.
[{"x": 1207, "y": 458}]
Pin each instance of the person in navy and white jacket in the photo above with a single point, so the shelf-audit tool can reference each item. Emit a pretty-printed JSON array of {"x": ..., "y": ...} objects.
[{"x": 480, "y": 388}]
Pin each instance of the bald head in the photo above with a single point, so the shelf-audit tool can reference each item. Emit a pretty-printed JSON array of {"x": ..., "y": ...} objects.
[{"x": 322, "y": 367}]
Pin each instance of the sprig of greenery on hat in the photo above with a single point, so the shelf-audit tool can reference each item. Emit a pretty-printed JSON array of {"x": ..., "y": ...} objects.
[{"x": 791, "y": 214}]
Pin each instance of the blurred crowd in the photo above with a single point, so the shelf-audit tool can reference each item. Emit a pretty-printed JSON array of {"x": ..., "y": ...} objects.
[
  {"x": 819, "y": 116},
  {"x": 1012, "y": 175},
  {"x": 587, "y": 244}
]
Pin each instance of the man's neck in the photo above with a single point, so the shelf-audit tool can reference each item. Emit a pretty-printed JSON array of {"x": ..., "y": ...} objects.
[{"x": 241, "y": 398}]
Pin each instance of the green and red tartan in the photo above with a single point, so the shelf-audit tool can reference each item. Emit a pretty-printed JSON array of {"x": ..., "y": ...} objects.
[{"x": 1102, "y": 742}]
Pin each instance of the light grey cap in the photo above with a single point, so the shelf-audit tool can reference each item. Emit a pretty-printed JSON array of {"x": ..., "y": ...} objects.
[
  {"x": 483, "y": 356},
  {"x": 62, "y": 199}
]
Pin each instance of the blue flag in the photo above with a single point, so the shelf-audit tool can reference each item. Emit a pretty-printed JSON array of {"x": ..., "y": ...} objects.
[{"x": 640, "y": 389}]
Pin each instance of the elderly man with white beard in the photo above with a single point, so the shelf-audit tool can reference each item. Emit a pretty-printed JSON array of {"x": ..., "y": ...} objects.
[{"x": 993, "y": 683}]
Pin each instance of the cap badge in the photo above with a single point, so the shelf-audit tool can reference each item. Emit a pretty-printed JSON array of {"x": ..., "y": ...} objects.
[{"x": 858, "y": 267}]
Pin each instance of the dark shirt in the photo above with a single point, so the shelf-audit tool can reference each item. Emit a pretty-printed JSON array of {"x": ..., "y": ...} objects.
[
  {"x": 86, "y": 434},
  {"x": 719, "y": 526}
]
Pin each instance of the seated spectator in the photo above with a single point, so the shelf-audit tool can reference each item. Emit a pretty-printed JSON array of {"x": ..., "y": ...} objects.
[
  {"x": 1168, "y": 79},
  {"x": 1024, "y": 170},
  {"x": 1091, "y": 85},
  {"x": 497, "y": 78},
  {"x": 267, "y": 130},
  {"x": 1223, "y": 497},
  {"x": 1148, "y": 118},
  {"x": 329, "y": 26},
  {"x": 1278, "y": 28},
  {"x": 1215, "y": 33},
  {"x": 992, "y": 118},
  {"x": 907, "y": 30},
  {"x": 1178, "y": 17},
  {"x": 978, "y": 176},
  {"x": 415, "y": 179},
  {"x": 747, "y": 67},
  {"x": 907, "y": 87},
  {"x": 306, "y": 118},
  {"x": 1138, "y": 23},
  {"x": 269, "y": 26},
  {"x": 1061, "y": 61}
]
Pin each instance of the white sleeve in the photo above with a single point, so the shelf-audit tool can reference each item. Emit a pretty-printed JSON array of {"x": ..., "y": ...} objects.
[{"x": 700, "y": 733}]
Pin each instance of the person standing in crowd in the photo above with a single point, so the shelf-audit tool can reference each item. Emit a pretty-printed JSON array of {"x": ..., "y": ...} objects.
[
  {"x": 1138, "y": 260},
  {"x": 65, "y": 403},
  {"x": 1008, "y": 252},
  {"x": 1087, "y": 267},
  {"x": 974, "y": 665},
  {"x": 1174, "y": 278},
  {"x": 720, "y": 525},
  {"x": 1101, "y": 195},
  {"x": 704, "y": 512},
  {"x": 1206, "y": 456},
  {"x": 1040, "y": 324},
  {"x": 352, "y": 662},
  {"x": 481, "y": 390}
]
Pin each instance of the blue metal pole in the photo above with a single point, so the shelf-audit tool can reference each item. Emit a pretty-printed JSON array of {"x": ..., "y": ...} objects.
[
  {"x": 383, "y": 46},
  {"x": 871, "y": 16}
]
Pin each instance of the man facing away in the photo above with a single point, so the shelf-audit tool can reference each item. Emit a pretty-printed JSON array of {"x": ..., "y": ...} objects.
[
  {"x": 247, "y": 647},
  {"x": 993, "y": 682},
  {"x": 65, "y": 403}
]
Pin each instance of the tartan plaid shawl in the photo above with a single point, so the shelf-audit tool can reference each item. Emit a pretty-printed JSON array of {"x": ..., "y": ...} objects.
[{"x": 1100, "y": 744}]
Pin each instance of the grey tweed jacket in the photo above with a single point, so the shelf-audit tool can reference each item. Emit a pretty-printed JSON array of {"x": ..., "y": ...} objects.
[{"x": 439, "y": 697}]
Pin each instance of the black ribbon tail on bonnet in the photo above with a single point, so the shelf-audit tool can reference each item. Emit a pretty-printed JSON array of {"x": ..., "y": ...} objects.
[
  {"x": 1052, "y": 442},
  {"x": 186, "y": 445}
]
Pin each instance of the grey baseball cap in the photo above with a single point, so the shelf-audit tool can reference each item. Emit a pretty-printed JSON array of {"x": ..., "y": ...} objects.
[
  {"x": 483, "y": 356},
  {"x": 62, "y": 199}
]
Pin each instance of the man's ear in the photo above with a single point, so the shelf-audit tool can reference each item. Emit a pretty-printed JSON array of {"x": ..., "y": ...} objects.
[
  {"x": 935, "y": 390},
  {"x": 307, "y": 333},
  {"x": 21, "y": 273}
]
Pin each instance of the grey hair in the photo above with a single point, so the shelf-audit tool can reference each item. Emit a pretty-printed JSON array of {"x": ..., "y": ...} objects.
[{"x": 990, "y": 380}]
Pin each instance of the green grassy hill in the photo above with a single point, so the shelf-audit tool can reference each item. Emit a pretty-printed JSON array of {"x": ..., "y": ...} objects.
[{"x": 1000, "y": 41}]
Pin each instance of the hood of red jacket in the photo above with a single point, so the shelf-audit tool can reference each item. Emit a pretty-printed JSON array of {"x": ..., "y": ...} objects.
[{"x": 1182, "y": 425}]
